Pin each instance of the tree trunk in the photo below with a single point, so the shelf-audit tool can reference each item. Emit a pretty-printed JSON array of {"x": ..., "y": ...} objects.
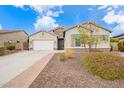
[
  {"x": 95, "y": 45},
  {"x": 89, "y": 47}
]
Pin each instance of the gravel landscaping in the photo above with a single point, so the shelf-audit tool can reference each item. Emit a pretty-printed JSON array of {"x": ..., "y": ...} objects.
[{"x": 71, "y": 74}]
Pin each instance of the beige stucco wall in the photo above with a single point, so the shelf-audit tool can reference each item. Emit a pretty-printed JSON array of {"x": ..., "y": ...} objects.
[
  {"x": 14, "y": 37},
  {"x": 42, "y": 36},
  {"x": 75, "y": 31}
]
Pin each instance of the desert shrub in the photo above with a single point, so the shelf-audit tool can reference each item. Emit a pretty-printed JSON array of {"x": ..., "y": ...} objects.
[
  {"x": 121, "y": 45},
  {"x": 114, "y": 46},
  {"x": 106, "y": 65},
  {"x": 114, "y": 43},
  {"x": 10, "y": 47},
  {"x": 69, "y": 53},
  {"x": 2, "y": 50},
  {"x": 62, "y": 56}
]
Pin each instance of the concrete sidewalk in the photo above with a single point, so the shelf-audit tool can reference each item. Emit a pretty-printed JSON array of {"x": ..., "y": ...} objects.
[{"x": 14, "y": 64}]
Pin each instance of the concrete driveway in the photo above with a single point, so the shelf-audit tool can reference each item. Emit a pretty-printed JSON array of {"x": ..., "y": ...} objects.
[{"x": 14, "y": 64}]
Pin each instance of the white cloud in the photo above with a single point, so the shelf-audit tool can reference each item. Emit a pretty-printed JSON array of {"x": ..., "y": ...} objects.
[
  {"x": 115, "y": 6},
  {"x": 46, "y": 20},
  {"x": 115, "y": 16},
  {"x": 46, "y": 13},
  {"x": 37, "y": 8},
  {"x": 102, "y": 7},
  {"x": 111, "y": 17},
  {"x": 118, "y": 29},
  {"x": 41, "y": 8},
  {"x": 45, "y": 23},
  {"x": 90, "y": 9},
  {"x": 110, "y": 8},
  {"x": 19, "y": 6},
  {"x": 0, "y": 26},
  {"x": 53, "y": 13}
]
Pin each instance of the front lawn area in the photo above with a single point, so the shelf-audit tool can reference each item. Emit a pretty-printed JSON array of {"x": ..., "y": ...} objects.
[
  {"x": 63, "y": 72},
  {"x": 104, "y": 64},
  {"x": 9, "y": 49}
]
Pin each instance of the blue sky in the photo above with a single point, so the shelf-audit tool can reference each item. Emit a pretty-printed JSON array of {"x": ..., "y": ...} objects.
[{"x": 33, "y": 18}]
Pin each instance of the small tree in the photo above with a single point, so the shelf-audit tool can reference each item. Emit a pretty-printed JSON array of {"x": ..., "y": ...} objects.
[
  {"x": 115, "y": 44},
  {"x": 84, "y": 37},
  {"x": 121, "y": 45},
  {"x": 87, "y": 38}
]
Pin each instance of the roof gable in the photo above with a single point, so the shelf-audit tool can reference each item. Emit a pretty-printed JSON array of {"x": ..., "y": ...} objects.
[
  {"x": 97, "y": 25},
  {"x": 11, "y": 31},
  {"x": 59, "y": 31},
  {"x": 43, "y": 32},
  {"x": 76, "y": 27}
]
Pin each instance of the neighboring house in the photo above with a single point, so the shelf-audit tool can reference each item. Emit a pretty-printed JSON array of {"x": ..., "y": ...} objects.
[
  {"x": 121, "y": 36},
  {"x": 72, "y": 33},
  {"x": 61, "y": 38},
  {"x": 17, "y": 37}
]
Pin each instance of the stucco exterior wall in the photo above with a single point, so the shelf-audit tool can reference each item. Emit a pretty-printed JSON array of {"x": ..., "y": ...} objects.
[
  {"x": 43, "y": 36},
  {"x": 102, "y": 44},
  {"x": 14, "y": 37},
  {"x": 67, "y": 43}
]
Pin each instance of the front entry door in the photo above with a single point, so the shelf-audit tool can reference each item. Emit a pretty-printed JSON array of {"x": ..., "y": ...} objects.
[{"x": 60, "y": 44}]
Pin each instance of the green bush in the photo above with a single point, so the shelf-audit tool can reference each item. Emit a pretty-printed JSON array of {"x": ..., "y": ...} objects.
[
  {"x": 10, "y": 47},
  {"x": 62, "y": 56},
  {"x": 106, "y": 65},
  {"x": 114, "y": 46},
  {"x": 2, "y": 50},
  {"x": 112, "y": 39},
  {"x": 121, "y": 45}
]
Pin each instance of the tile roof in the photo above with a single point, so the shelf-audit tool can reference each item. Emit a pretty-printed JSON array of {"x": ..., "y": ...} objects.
[
  {"x": 11, "y": 31},
  {"x": 56, "y": 31},
  {"x": 42, "y": 31},
  {"x": 97, "y": 25},
  {"x": 119, "y": 35}
]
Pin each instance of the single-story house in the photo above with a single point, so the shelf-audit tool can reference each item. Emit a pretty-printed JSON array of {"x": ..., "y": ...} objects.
[
  {"x": 73, "y": 33},
  {"x": 61, "y": 38},
  {"x": 121, "y": 36},
  {"x": 19, "y": 38}
]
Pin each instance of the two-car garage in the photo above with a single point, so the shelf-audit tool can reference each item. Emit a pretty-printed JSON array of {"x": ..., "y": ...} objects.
[
  {"x": 43, "y": 41},
  {"x": 43, "y": 45}
]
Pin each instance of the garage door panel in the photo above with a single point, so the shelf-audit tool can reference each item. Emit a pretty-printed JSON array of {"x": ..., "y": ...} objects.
[{"x": 43, "y": 45}]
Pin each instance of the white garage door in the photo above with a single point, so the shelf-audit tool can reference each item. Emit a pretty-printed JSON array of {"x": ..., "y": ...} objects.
[{"x": 43, "y": 45}]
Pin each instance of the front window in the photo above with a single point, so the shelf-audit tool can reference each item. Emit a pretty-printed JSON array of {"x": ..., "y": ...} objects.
[
  {"x": 104, "y": 37},
  {"x": 76, "y": 40},
  {"x": 17, "y": 41}
]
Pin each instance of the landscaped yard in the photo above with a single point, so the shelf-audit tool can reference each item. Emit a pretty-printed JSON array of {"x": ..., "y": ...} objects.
[
  {"x": 9, "y": 49},
  {"x": 71, "y": 73}
]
